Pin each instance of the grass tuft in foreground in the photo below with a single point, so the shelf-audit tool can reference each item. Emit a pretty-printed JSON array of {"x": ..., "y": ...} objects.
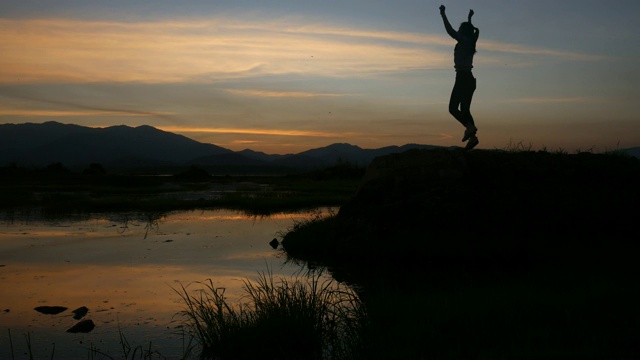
[{"x": 305, "y": 317}]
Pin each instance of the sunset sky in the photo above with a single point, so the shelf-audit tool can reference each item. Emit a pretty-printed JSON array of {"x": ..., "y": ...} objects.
[{"x": 290, "y": 75}]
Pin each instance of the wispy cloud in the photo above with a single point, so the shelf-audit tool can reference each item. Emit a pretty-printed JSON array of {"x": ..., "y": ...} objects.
[
  {"x": 551, "y": 100},
  {"x": 50, "y": 50},
  {"x": 430, "y": 39},
  {"x": 60, "y": 113},
  {"x": 70, "y": 108},
  {"x": 537, "y": 51},
  {"x": 80, "y": 51},
  {"x": 283, "y": 94}
]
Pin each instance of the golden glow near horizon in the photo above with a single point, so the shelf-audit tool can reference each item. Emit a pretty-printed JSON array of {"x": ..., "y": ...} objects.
[{"x": 278, "y": 132}]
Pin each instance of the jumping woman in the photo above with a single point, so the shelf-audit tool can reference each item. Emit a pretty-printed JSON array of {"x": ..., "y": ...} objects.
[{"x": 465, "y": 86}]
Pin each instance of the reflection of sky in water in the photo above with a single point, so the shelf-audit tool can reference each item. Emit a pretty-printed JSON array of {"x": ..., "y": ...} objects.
[{"x": 124, "y": 270}]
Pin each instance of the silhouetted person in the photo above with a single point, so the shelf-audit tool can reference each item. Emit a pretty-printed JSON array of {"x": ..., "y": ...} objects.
[{"x": 465, "y": 86}]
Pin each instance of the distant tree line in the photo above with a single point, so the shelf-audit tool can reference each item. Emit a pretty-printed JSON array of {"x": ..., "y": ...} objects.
[{"x": 54, "y": 169}]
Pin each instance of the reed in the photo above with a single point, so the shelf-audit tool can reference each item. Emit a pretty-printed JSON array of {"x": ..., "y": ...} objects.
[{"x": 304, "y": 317}]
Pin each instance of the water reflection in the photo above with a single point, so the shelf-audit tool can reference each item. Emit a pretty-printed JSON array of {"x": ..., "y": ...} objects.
[{"x": 123, "y": 267}]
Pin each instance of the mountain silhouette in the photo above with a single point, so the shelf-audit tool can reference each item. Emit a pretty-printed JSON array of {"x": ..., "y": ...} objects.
[
  {"x": 124, "y": 147},
  {"x": 74, "y": 145}
]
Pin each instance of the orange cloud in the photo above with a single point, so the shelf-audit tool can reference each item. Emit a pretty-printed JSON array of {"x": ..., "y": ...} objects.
[
  {"x": 55, "y": 50},
  {"x": 52, "y": 50},
  {"x": 157, "y": 52}
]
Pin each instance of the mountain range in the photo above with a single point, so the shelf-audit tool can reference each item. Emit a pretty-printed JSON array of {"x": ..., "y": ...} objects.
[{"x": 123, "y": 147}]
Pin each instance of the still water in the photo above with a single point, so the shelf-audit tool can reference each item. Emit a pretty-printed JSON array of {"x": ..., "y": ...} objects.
[{"x": 124, "y": 269}]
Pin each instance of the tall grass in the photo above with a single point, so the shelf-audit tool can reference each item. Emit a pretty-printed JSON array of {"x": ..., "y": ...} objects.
[{"x": 304, "y": 317}]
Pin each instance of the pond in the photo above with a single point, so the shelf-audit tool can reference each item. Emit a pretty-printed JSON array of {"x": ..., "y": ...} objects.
[{"x": 125, "y": 269}]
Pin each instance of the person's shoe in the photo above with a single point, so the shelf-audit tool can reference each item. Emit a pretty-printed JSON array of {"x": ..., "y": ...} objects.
[
  {"x": 469, "y": 132},
  {"x": 473, "y": 141}
]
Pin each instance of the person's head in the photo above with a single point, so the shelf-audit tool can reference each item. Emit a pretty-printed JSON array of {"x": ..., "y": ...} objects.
[{"x": 466, "y": 29}]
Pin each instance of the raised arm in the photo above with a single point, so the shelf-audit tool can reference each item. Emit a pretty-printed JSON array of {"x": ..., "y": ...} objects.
[
  {"x": 476, "y": 31},
  {"x": 447, "y": 25}
]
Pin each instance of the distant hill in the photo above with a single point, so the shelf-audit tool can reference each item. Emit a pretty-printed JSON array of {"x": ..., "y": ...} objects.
[
  {"x": 634, "y": 151},
  {"x": 123, "y": 147},
  {"x": 344, "y": 153}
]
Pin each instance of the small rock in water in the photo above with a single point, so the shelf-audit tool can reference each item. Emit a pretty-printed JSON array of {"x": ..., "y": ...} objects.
[
  {"x": 50, "y": 310},
  {"x": 274, "y": 243},
  {"x": 83, "y": 326},
  {"x": 80, "y": 312}
]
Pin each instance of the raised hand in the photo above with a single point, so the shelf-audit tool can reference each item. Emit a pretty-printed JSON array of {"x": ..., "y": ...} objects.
[
  {"x": 442, "y": 8},
  {"x": 470, "y": 14}
]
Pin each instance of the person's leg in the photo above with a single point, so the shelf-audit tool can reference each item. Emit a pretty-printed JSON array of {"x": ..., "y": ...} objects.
[
  {"x": 455, "y": 101},
  {"x": 466, "y": 97},
  {"x": 465, "y": 108}
]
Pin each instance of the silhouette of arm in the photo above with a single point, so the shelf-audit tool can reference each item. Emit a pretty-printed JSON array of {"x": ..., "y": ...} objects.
[
  {"x": 447, "y": 24},
  {"x": 476, "y": 31}
]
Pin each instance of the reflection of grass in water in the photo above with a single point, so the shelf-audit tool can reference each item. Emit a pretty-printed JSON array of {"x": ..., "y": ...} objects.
[
  {"x": 93, "y": 352},
  {"x": 301, "y": 318},
  {"x": 128, "y": 351},
  {"x": 151, "y": 222}
]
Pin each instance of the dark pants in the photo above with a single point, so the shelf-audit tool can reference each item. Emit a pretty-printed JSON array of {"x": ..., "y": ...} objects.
[{"x": 461, "y": 95}]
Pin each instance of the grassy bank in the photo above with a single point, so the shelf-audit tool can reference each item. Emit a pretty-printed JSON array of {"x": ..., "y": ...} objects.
[
  {"x": 583, "y": 307},
  {"x": 488, "y": 255}
]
